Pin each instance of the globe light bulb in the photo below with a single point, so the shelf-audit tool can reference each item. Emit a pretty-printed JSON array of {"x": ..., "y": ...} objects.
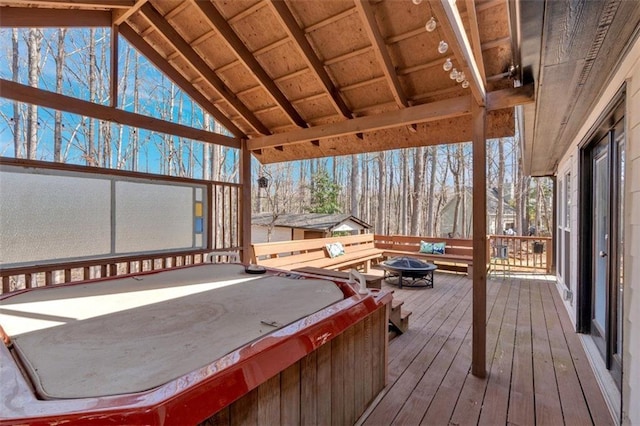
[
  {"x": 431, "y": 25},
  {"x": 447, "y": 65},
  {"x": 443, "y": 47},
  {"x": 416, "y": 2},
  {"x": 453, "y": 74},
  {"x": 460, "y": 77},
  {"x": 465, "y": 84}
]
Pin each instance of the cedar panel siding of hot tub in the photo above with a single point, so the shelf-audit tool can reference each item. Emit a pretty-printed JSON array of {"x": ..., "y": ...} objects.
[{"x": 176, "y": 346}]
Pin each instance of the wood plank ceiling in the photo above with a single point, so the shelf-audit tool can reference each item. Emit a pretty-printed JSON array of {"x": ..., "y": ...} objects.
[{"x": 305, "y": 79}]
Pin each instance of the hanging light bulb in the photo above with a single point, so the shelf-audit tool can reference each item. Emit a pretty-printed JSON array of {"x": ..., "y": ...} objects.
[
  {"x": 447, "y": 65},
  {"x": 453, "y": 74},
  {"x": 416, "y": 2},
  {"x": 431, "y": 25},
  {"x": 460, "y": 77},
  {"x": 443, "y": 47},
  {"x": 465, "y": 84}
]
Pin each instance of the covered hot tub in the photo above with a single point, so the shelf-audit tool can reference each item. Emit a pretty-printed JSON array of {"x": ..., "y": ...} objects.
[{"x": 183, "y": 345}]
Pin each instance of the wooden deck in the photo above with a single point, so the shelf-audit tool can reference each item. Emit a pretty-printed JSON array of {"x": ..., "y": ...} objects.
[{"x": 537, "y": 371}]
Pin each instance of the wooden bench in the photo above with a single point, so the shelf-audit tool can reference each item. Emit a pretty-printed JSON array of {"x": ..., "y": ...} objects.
[
  {"x": 457, "y": 257},
  {"x": 359, "y": 252}
]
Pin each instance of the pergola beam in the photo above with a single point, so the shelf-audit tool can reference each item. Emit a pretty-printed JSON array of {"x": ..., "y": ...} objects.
[
  {"x": 75, "y": 4},
  {"x": 32, "y": 17},
  {"x": 31, "y": 95},
  {"x": 446, "y": 11},
  {"x": 381, "y": 52},
  {"x": 448, "y": 108},
  {"x": 476, "y": 45},
  {"x": 119, "y": 16},
  {"x": 250, "y": 62},
  {"x": 165, "y": 67},
  {"x": 288, "y": 22},
  {"x": 174, "y": 39}
]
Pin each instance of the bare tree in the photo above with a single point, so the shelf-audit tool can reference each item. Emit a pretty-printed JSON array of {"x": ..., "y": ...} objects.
[
  {"x": 34, "y": 42},
  {"x": 418, "y": 188},
  {"x": 15, "y": 73}
]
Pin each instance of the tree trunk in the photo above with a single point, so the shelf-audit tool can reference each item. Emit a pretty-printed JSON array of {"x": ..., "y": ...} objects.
[
  {"x": 91, "y": 152},
  {"x": 382, "y": 202},
  {"x": 433, "y": 156},
  {"x": 500, "y": 188},
  {"x": 355, "y": 185},
  {"x": 15, "y": 72},
  {"x": 34, "y": 42},
  {"x": 418, "y": 185}
]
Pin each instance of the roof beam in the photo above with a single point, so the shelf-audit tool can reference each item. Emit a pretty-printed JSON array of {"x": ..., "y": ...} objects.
[
  {"x": 508, "y": 98},
  {"x": 119, "y": 16},
  {"x": 191, "y": 56},
  {"x": 284, "y": 15},
  {"x": 381, "y": 52},
  {"x": 246, "y": 57},
  {"x": 445, "y": 12},
  {"x": 33, "y": 17},
  {"x": 476, "y": 45},
  {"x": 418, "y": 114},
  {"x": 161, "y": 63},
  {"x": 31, "y": 95}
]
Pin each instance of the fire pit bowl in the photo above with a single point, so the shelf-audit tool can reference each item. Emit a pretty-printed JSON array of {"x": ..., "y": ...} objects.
[{"x": 409, "y": 272}]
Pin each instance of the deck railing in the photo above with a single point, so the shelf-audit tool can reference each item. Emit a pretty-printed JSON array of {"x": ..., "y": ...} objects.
[{"x": 517, "y": 253}]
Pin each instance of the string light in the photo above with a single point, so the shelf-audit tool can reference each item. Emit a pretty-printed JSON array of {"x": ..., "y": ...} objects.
[
  {"x": 447, "y": 65},
  {"x": 465, "y": 84},
  {"x": 416, "y": 2},
  {"x": 443, "y": 47},
  {"x": 431, "y": 25},
  {"x": 453, "y": 74}
]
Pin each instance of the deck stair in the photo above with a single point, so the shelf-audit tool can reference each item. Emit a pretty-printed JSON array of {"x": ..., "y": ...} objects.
[{"x": 398, "y": 319}]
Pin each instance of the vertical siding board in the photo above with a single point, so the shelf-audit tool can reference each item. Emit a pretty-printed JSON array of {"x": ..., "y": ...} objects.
[
  {"x": 323, "y": 363},
  {"x": 290, "y": 395},
  {"x": 349, "y": 377},
  {"x": 309, "y": 389},
  {"x": 269, "y": 402},
  {"x": 367, "y": 360},
  {"x": 244, "y": 412},
  {"x": 337, "y": 381},
  {"x": 359, "y": 374}
]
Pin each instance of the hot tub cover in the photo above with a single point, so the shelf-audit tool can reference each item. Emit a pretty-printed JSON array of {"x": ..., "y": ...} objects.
[{"x": 134, "y": 334}]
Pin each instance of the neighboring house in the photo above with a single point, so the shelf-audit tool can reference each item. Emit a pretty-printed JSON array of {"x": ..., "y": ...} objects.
[
  {"x": 466, "y": 212},
  {"x": 285, "y": 227},
  {"x": 588, "y": 137}
]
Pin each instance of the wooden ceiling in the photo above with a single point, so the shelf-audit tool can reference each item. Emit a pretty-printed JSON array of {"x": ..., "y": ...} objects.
[{"x": 304, "y": 79}]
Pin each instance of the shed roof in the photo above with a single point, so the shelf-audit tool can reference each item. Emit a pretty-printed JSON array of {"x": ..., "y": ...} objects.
[{"x": 311, "y": 221}]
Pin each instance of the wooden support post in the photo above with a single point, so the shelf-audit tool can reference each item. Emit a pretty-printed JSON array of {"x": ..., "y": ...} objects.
[
  {"x": 478, "y": 359},
  {"x": 245, "y": 202}
]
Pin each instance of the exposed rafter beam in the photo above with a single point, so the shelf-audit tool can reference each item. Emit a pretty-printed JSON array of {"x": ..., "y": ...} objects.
[
  {"x": 445, "y": 11},
  {"x": 290, "y": 25},
  {"x": 439, "y": 110},
  {"x": 418, "y": 114},
  {"x": 381, "y": 52},
  {"x": 186, "y": 51},
  {"x": 30, "y": 17},
  {"x": 31, "y": 95},
  {"x": 161, "y": 63},
  {"x": 476, "y": 45},
  {"x": 251, "y": 63},
  {"x": 119, "y": 16},
  {"x": 508, "y": 98}
]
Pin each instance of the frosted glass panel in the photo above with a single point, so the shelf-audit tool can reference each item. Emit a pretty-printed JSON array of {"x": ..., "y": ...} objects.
[
  {"x": 151, "y": 217},
  {"x": 48, "y": 217}
]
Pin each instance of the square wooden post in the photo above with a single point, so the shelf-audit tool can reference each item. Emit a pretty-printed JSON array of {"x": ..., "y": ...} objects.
[
  {"x": 479, "y": 341},
  {"x": 245, "y": 202}
]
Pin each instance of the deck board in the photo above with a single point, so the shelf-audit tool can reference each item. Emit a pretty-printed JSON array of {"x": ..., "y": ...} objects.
[{"x": 537, "y": 371}]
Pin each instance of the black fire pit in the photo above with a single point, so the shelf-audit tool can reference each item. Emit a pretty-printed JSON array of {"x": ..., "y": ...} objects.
[{"x": 409, "y": 272}]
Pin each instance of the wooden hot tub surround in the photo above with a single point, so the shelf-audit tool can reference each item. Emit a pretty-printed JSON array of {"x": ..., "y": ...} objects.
[{"x": 328, "y": 365}]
